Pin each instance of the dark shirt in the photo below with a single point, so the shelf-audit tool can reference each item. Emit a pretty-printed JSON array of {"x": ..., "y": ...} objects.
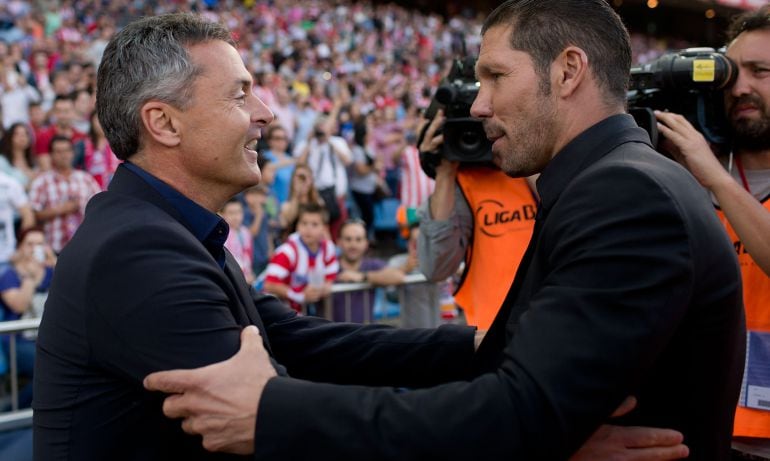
[{"x": 209, "y": 228}]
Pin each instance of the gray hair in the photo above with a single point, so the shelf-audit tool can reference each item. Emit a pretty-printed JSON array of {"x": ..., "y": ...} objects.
[{"x": 148, "y": 60}]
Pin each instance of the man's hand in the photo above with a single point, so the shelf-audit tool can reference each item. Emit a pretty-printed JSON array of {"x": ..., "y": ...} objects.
[
  {"x": 632, "y": 443},
  {"x": 314, "y": 293},
  {"x": 219, "y": 401},
  {"x": 69, "y": 207},
  {"x": 432, "y": 142},
  {"x": 347, "y": 276},
  {"x": 690, "y": 148}
]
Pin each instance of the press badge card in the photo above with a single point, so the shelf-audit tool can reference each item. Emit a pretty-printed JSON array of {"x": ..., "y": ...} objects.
[{"x": 756, "y": 377}]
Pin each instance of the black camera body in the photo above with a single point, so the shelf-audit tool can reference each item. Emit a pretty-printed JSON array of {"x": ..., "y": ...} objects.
[
  {"x": 690, "y": 82},
  {"x": 464, "y": 137}
]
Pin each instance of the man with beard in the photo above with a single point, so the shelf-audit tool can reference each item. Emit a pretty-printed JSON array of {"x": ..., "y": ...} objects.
[
  {"x": 629, "y": 286},
  {"x": 740, "y": 188}
]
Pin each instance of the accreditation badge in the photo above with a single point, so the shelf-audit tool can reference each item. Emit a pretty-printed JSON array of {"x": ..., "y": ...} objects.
[{"x": 755, "y": 390}]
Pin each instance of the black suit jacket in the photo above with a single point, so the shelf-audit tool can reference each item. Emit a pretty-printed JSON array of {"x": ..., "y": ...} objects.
[
  {"x": 135, "y": 292},
  {"x": 630, "y": 287}
]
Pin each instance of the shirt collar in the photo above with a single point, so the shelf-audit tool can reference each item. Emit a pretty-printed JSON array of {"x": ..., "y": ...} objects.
[
  {"x": 584, "y": 150},
  {"x": 207, "y": 227}
]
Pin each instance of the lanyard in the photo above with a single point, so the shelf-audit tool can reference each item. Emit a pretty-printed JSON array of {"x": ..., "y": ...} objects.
[{"x": 739, "y": 164}]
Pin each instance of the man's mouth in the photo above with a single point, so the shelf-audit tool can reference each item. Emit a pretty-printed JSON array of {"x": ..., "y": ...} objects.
[
  {"x": 745, "y": 106},
  {"x": 252, "y": 144}
]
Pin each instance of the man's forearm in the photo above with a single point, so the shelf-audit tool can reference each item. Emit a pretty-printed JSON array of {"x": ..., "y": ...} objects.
[
  {"x": 443, "y": 198},
  {"x": 749, "y": 219}
]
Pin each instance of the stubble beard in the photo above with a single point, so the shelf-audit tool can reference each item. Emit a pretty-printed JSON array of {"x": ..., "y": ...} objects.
[{"x": 530, "y": 146}]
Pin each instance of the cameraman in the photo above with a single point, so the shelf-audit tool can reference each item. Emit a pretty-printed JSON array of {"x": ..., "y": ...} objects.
[
  {"x": 489, "y": 214},
  {"x": 740, "y": 186}
]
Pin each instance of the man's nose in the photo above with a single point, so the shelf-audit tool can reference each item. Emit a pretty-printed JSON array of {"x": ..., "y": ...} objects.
[
  {"x": 260, "y": 113},
  {"x": 481, "y": 106}
]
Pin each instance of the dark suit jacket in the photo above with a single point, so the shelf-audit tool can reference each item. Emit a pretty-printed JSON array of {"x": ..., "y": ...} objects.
[
  {"x": 135, "y": 292},
  {"x": 630, "y": 286}
]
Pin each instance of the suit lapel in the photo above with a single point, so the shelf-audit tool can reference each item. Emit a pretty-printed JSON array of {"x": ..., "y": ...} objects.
[{"x": 244, "y": 312}]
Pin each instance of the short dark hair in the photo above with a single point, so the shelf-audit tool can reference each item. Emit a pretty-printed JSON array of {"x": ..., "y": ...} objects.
[
  {"x": 59, "y": 138},
  {"x": 148, "y": 60},
  {"x": 543, "y": 28},
  {"x": 351, "y": 222},
  {"x": 749, "y": 21},
  {"x": 312, "y": 208},
  {"x": 64, "y": 97}
]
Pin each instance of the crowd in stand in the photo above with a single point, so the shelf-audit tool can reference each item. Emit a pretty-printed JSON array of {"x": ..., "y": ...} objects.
[{"x": 347, "y": 82}]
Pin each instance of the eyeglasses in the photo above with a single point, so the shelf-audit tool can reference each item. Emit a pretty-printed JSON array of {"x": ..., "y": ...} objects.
[{"x": 301, "y": 177}]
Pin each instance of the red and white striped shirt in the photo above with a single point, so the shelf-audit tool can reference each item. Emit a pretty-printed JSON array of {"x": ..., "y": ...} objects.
[
  {"x": 51, "y": 189},
  {"x": 292, "y": 264},
  {"x": 416, "y": 186}
]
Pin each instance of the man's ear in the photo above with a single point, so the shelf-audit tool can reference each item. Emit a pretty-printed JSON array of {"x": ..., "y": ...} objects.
[
  {"x": 571, "y": 70},
  {"x": 161, "y": 123}
]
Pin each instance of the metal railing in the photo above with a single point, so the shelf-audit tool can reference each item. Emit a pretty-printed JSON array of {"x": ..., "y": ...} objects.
[
  {"x": 15, "y": 418},
  {"x": 338, "y": 288}
]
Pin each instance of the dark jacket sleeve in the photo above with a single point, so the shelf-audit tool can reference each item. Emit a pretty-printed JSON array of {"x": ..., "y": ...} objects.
[
  {"x": 157, "y": 303},
  {"x": 316, "y": 349},
  {"x": 618, "y": 281}
]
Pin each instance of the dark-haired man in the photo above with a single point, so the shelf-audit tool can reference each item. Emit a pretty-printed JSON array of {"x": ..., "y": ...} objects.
[
  {"x": 629, "y": 286},
  {"x": 59, "y": 196},
  {"x": 740, "y": 185},
  {"x": 64, "y": 117}
]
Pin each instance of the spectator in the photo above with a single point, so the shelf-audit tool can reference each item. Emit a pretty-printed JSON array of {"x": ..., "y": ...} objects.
[
  {"x": 366, "y": 174},
  {"x": 59, "y": 196},
  {"x": 328, "y": 156},
  {"x": 262, "y": 224},
  {"x": 41, "y": 77},
  {"x": 83, "y": 103},
  {"x": 239, "y": 240},
  {"x": 63, "y": 114},
  {"x": 38, "y": 123},
  {"x": 13, "y": 202},
  {"x": 303, "y": 268},
  {"x": 16, "y": 149},
  {"x": 387, "y": 140},
  {"x": 98, "y": 159},
  {"x": 278, "y": 154},
  {"x": 283, "y": 109},
  {"x": 301, "y": 191},
  {"x": 15, "y": 96},
  {"x": 23, "y": 291},
  {"x": 355, "y": 267}
]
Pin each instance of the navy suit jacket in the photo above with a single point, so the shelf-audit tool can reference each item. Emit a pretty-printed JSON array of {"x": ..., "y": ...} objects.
[{"x": 135, "y": 292}]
